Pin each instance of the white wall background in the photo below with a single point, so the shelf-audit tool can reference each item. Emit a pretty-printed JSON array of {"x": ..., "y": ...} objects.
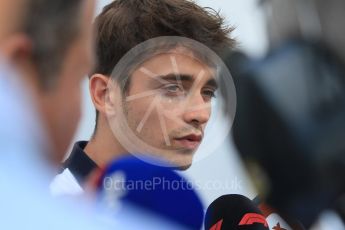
[{"x": 221, "y": 172}]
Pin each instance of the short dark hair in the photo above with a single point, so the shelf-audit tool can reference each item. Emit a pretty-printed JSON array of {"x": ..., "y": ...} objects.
[
  {"x": 123, "y": 24},
  {"x": 52, "y": 26}
]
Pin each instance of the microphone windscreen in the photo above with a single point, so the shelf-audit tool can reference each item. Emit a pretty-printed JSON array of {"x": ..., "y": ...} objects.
[
  {"x": 130, "y": 182},
  {"x": 234, "y": 212}
]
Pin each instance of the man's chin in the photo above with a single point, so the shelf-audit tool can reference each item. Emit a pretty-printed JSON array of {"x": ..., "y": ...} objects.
[
  {"x": 184, "y": 167},
  {"x": 184, "y": 159},
  {"x": 182, "y": 163},
  {"x": 179, "y": 159}
]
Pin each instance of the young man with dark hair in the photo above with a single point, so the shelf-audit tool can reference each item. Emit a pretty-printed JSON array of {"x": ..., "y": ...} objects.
[{"x": 152, "y": 86}]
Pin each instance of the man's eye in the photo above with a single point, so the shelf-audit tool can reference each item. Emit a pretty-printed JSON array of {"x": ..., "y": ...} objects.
[
  {"x": 173, "y": 89},
  {"x": 209, "y": 93}
]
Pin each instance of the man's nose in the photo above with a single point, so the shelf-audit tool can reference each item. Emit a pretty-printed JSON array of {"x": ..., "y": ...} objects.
[{"x": 197, "y": 111}]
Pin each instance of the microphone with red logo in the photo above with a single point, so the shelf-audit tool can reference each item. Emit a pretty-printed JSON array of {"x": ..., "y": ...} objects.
[{"x": 234, "y": 212}]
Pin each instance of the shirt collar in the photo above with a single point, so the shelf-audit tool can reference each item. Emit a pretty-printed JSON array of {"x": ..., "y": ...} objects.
[{"x": 79, "y": 163}]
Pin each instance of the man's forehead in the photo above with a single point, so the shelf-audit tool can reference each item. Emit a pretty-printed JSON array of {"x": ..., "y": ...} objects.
[
  {"x": 176, "y": 62},
  {"x": 201, "y": 77}
]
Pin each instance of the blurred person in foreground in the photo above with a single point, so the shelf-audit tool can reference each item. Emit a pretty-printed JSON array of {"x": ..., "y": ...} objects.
[
  {"x": 45, "y": 51},
  {"x": 168, "y": 74}
]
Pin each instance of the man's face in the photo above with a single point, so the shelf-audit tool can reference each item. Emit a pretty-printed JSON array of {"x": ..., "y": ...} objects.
[
  {"x": 62, "y": 105},
  {"x": 167, "y": 104}
]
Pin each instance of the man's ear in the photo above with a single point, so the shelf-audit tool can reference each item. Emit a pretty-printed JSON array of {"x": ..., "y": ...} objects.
[{"x": 98, "y": 87}]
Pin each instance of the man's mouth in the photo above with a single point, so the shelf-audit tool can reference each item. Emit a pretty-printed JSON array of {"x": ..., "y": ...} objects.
[{"x": 191, "y": 141}]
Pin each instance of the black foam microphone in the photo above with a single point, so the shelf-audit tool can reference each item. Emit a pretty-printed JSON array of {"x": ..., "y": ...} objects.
[{"x": 234, "y": 212}]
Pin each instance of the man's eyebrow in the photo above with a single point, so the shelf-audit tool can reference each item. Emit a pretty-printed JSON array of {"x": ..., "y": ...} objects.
[
  {"x": 186, "y": 78},
  {"x": 212, "y": 82},
  {"x": 177, "y": 77}
]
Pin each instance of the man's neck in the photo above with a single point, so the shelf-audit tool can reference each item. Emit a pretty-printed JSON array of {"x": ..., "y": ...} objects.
[{"x": 103, "y": 148}]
